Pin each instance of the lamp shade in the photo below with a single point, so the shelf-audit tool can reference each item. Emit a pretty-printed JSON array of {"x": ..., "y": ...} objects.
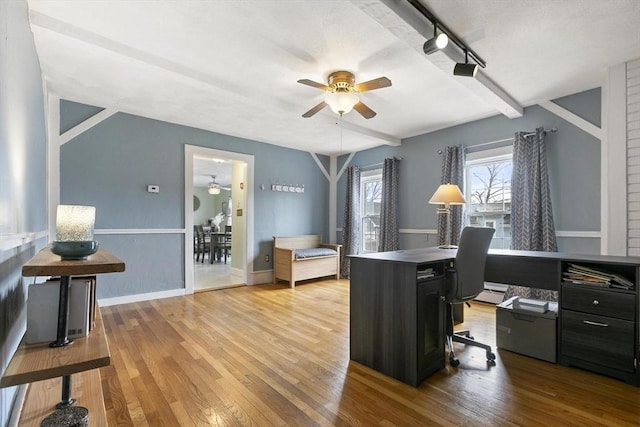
[
  {"x": 213, "y": 189},
  {"x": 447, "y": 194},
  {"x": 74, "y": 232},
  {"x": 341, "y": 102},
  {"x": 75, "y": 223}
]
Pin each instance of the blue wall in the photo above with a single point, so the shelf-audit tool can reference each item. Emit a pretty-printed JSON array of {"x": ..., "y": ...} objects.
[
  {"x": 110, "y": 165},
  {"x": 23, "y": 192},
  {"x": 573, "y": 161}
]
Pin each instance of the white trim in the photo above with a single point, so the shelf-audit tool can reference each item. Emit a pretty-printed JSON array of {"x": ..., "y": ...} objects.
[
  {"x": 18, "y": 402},
  {"x": 320, "y": 165},
  {"x": 584, "y": 234},
  {"x": 106, "y": 302},
  {"x": 260, "y": 277},
  {"x": 12, "y": 241},
  {"x": 346, "y": 164},
  {"x": 418, "y": 231},
  {"x": 559, "y": 233},
  {"x": 572, "y": 118},
  {"x": 189, "y": 152},
  {"x": 140, "y": 231},
  {"x": 613, "y": 160},
  {"x": 86, "y": 125},
  {"x": 53, "y": 158},
  {"x": 333, "y": 199}
]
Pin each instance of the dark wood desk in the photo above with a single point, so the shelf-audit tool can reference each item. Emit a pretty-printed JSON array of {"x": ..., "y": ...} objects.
[{"x": 397, "y": 315}]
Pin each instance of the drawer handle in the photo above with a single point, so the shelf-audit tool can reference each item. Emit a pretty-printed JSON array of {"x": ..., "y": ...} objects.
[
  {"x": 596, "y": 302},
  {"x": 589, "y": 322}
]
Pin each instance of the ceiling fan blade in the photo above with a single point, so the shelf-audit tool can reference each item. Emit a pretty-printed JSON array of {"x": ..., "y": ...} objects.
[
  {"x": 314, "y": 84},
  {"x": 374, "y": 84},
  {"x": 315, "y": 109},
  {"x": 365, "y": 111}
]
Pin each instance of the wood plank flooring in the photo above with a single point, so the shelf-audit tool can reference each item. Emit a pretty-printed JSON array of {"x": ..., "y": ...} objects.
[{"x": 269, "y": 355}]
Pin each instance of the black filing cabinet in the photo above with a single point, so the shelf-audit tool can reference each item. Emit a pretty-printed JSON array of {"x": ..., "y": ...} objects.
[{"x": 598, "y": 330}]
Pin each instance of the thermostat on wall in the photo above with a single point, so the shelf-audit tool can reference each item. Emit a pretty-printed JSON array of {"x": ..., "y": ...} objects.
[{"x": 153, "y": 189}]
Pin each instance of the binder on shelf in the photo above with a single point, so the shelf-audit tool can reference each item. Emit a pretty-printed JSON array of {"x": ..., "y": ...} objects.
[{"x": 42, "y": 310}]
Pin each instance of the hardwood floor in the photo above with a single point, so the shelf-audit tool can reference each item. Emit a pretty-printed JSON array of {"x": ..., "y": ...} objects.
[{"x": 270, "y": 355}]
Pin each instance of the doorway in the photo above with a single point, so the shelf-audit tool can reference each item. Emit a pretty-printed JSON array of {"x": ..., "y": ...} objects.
[{"x": 219, "y": 198}]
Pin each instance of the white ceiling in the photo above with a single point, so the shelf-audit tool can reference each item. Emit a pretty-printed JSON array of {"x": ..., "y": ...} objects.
[{"x": 232, "y": 66}]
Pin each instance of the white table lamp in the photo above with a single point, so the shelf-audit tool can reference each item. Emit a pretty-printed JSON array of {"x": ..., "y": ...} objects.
[{"x": 447, "y": 195}]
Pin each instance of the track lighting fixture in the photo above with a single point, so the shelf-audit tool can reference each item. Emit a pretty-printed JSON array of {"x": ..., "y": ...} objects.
[
  {"x": 440, "y": 41},
  {"x": 437, "y": 42},
  {"x": 466, "y": 69}
]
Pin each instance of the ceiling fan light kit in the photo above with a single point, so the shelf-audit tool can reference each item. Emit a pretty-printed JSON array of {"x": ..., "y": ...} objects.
[
  {"x": 342, "y": 92},
  {"x": 214, "y": 188},
  {"x": 341, "y": 102}
]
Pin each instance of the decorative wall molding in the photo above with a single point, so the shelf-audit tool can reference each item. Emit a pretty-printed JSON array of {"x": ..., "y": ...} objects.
[
  {"x": 572, "y": 118},
  {"x": 12, "y": 241},
  {"x": 86, "y": 125},
  {"x": 581, "y": 234},
  {"x": 140, "y": 231},
  {"x": 320, "y": 166}
]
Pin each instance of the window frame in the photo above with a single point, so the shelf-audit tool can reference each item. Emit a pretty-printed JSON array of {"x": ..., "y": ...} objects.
[
  {"x": 479, "y": 158},
  {"x": 366, "y": 177}
]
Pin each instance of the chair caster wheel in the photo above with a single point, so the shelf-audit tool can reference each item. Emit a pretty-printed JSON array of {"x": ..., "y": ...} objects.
[
  {"x": 491, "y": 357},
  {"x": 453, "y": 361}
]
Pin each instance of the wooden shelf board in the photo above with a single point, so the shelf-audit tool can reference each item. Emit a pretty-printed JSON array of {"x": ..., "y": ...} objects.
[
  {"x": 42, "y": 396},
  {"x": 36, "y": 362},
  {"x": 46, "y": 263}
]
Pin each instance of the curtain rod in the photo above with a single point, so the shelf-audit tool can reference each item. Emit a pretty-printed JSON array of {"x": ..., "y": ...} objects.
[
  {"x": 377, "y": 164},
  {"x": 552, "y": 130}
]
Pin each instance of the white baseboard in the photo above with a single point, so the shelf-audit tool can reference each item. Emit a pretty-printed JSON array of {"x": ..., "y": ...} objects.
[
  {"x": 106, "y": 302},
  {"x": 260, "y": 277}
]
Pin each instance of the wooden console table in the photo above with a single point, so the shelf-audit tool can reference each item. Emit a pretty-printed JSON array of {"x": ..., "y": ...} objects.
[{"x": 37, "y": 362}]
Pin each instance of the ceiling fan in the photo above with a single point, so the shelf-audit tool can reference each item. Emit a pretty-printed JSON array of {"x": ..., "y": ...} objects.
[
  {"x": 342, "y": 93},
  {"x": 214, "y": 188}
]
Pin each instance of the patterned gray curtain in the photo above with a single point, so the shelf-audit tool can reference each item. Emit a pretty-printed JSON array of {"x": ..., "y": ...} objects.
[
  {"x": 389, "y": 235},
  {"x": 452, "y": 173},
  {"x": 532, "y": 226},
  {"x": 351, "y": 221}
]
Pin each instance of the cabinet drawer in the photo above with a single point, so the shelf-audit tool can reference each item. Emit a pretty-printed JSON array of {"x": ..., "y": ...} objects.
[
  {"x": 598, "y": 301},
  {"x": 598, "y": 339}
]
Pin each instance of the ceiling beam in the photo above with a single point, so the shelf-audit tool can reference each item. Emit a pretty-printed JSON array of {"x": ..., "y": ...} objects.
[{"x": 414, "y": 29}]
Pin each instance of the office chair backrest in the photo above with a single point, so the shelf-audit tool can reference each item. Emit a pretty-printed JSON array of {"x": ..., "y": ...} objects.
[{"x": 470, "y": 260}]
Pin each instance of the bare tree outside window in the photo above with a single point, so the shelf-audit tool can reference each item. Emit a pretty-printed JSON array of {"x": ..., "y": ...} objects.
[
  {"x": 488, "y": 185},
  {"x": 370, "y": 204}
]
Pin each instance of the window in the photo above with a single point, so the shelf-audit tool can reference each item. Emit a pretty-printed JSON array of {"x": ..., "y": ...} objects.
[
  {"x": 488, "y": 193},
  {"x": 370, "y": 201}
]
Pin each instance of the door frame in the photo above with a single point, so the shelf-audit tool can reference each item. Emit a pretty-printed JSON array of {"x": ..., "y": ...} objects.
[{"x": 190, "y": 151}]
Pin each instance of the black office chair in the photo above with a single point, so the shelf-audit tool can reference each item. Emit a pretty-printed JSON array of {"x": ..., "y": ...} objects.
[{"x": 465, "y": 282}]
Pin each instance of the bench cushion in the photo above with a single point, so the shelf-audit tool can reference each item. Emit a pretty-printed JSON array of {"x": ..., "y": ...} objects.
[{"x": 313, "y": 252}]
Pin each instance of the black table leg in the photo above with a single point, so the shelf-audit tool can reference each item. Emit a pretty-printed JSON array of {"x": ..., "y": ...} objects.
[
  {"x": 63, "y": 314},
  {"x": 66, "y": 400}
]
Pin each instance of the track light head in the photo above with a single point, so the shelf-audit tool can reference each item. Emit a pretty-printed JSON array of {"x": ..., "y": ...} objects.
[
  {"x": 435, "y": 43},
  {"x": 465, "y": 70}
]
